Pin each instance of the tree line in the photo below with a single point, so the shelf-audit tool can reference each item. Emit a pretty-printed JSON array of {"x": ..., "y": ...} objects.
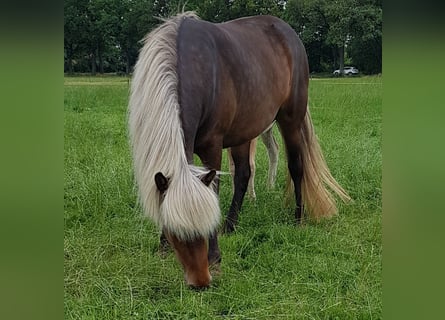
[{"x": 102, "y": 36}]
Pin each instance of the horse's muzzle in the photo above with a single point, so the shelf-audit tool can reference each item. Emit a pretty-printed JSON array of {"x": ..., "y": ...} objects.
[{"x": 198, "y": 283}]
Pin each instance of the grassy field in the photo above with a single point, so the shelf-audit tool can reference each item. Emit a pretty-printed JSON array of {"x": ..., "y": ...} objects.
[{"x": 271, "y": 268}]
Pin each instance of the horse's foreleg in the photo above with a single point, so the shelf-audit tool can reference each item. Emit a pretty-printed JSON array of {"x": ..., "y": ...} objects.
[
  {"x": 251, "y": 184},
  {"x": 240, "y": 155},
  {"x": 211, "y": 158}
]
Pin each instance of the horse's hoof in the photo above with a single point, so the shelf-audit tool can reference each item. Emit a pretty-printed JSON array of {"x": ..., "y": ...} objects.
[
  {"x": 298, "y": 221},
  {"x": 215, "y": 269},
  {"x": 214, "y": 260},
  {"x": 228, "y": 228},
  {"x": 164, "y": 249}
]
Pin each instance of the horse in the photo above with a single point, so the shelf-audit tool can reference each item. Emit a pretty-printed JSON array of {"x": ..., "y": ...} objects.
[
  {"x": 199, "y": 87},
  {"x": 272, "y": 151}
]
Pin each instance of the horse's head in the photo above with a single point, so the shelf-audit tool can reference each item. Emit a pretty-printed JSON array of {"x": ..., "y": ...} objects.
[{"x": 192, "y": 253}]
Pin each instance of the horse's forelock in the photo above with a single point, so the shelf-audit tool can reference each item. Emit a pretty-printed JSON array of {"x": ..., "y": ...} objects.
[{"x": 189, "y": 208}]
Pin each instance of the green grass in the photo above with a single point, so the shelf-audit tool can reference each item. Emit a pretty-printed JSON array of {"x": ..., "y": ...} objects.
[{"x": 271, "y": 268}]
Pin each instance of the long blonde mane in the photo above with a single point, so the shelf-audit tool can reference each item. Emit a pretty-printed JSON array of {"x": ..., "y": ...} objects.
[{"x": 188, "y": 208}]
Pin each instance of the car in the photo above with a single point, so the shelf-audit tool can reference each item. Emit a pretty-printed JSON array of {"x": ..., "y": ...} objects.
[{"x": 348, "y": 71}]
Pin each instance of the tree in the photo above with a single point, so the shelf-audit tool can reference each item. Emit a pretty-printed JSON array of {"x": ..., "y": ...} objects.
[
  {"x": 224, "y": 10},
  {"x": 106, "y": 34},
  {"x": 329, "y": 28},
  {"x": 365, "y": 47},
  {"x": 75, "y": 25},
  {"x": 135, "y": 19},
  {"x": 310, "y": 22}
]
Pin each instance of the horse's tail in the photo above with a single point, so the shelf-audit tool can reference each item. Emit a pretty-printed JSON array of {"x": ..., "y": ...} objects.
[
  {"x": 317, "y": 183},
  {"x": 188, "y": 208}
]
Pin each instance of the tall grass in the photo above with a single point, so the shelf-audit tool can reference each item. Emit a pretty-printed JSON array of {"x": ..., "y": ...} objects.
[{"x": 271, "y": 268}]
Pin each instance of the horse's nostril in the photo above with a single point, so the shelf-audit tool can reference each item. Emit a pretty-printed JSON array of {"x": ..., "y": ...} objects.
[{"x": 199, "y": 288}]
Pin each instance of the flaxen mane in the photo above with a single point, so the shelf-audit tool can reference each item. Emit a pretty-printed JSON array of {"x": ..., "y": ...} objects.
[{"x": 188, "y": 208}]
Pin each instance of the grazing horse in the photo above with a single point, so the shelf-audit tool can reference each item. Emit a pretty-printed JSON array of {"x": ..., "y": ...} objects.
[{"x": 199, "y": 87}]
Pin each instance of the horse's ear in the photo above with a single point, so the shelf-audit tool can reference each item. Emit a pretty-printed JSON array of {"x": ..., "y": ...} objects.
[
  {"x": 161, "y": 182},
  {"x": 208, "y": 178}
]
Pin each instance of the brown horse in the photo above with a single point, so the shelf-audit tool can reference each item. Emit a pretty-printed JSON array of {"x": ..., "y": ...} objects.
[{"x": 199, "y": 87}]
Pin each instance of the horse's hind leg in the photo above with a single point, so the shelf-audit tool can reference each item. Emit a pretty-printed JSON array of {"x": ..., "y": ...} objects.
[
  {"x": 272, "y": 151},
  {"x": 231, "y": 166},
  {"x": 251, "y": 184},
  {"x": 293, "y": 139},
  {"x": 240, "y": 155}
]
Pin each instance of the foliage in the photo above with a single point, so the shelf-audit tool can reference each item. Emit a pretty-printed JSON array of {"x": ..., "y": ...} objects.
[
  {"x": 366, "y": 45},
  {"x": 96, "y": 30},
  {"x": 328, "y": 27},
  {"x": 105, "y": 34}
]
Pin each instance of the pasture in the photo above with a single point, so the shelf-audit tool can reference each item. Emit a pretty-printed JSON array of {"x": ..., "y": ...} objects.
[{"x": 270, "y": 267}]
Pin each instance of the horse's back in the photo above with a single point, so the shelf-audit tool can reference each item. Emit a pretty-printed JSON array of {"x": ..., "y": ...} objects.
[
  {"x": 283, "y": 42},
  {"x": 237, "y": 71}
]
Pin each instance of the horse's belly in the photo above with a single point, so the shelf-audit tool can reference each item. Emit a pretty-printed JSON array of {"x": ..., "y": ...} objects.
[
  {"x": 249, "y": 130},
  {"x": 253, "y": 118}
]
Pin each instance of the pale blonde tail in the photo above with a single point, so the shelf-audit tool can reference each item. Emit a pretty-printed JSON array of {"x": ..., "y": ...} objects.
[{"x": 318, "y": 184}]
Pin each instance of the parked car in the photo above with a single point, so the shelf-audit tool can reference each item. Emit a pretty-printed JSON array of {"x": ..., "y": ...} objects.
[{"x": 349, "y": 71}]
